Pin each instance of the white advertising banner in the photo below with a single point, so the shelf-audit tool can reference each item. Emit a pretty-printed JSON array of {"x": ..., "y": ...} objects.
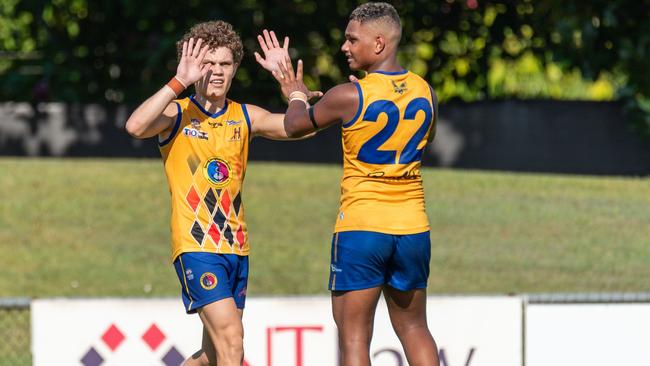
[
  {"x": 286, "y": 331},
  {"x": 587, "y": 334}
]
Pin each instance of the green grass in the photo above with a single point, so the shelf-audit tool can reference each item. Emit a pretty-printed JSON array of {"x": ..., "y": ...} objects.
[
  {"x": 15, "y": 335},
  {"x": 101, "y": 228}
]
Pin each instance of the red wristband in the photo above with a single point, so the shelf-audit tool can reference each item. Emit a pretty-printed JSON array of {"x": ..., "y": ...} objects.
[{"x": 176, "y": 86}]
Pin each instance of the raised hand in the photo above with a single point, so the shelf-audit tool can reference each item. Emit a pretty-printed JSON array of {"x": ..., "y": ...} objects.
[
  {"x": 273, "y": 53},
  {"x": 191, "y": 68},
  {"x": 291, "y": 82}
]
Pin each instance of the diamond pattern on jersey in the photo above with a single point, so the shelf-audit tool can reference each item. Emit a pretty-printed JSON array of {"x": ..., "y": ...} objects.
[
  {"x": 197, "y": 232},
  {"x": 214, "y": 233},
  {"x": 227, "y": 233},
  {"x": 193, "y": 198},
  {"x": 210, "y": 200},
  {"x": 219, "y": 218},
  {"x": 193, "y": 162},
  {"x": 236, "y": 203},
  {"x": 225, "y": 202},
  {"x": 240, "y": 237}
]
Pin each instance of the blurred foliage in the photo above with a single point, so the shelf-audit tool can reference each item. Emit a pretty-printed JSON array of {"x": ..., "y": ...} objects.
[{"x": 122, "y": 50}]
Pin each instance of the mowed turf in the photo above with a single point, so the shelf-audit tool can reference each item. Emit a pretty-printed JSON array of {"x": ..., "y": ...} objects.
[{"x": 80, "y": 227}]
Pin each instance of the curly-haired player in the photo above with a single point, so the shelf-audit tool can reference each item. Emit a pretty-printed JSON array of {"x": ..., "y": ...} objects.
[{"x": 203, "y": 141}]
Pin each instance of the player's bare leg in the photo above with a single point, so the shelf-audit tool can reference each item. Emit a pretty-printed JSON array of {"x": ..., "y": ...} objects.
[
  {"x": 223, "y": 335},
  {"x": 407, "y": 310},
  {"x": 354, "y": 314},
  {"x": 206, "y": 355}
]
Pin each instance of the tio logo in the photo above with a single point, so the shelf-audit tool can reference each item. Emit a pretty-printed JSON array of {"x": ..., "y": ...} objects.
[
  {"x": 298, "y": 330},
  {"x": 400, "y": 359}
]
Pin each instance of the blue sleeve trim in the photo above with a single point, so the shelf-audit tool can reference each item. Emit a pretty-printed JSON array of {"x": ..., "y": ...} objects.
[
  {"x": 248, "y": 121},
  {"x": 351, "y": 122},
  {"x": 177, "y": 125}
]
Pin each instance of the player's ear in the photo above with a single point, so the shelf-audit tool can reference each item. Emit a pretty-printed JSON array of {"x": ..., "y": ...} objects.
[{"x": 380, "y": 44}]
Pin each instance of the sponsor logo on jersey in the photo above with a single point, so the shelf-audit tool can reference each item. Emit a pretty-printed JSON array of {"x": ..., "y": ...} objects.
[
  {"x": 215, "y": 124},
  {"x": 196, "y": 124},
  {"x": 217, "y": 171},
  {"x": 232, "y": 122},
  {"x": 335, "y": 268},
  {"x": 189, "y": 274},
  {"x": 194, "y": 133},
  {"x": 208, "y": 280}
]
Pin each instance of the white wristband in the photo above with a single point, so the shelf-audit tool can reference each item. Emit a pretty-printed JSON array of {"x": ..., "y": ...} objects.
[{"x": 300, "y": 99}]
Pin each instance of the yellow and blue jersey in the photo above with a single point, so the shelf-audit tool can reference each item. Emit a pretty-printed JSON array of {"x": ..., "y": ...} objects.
[
  {"x": 381, "y": 188},
  {"x": 205, "y": 160}
]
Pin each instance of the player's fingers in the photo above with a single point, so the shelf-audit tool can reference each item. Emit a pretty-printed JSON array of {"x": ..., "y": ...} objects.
[
  {"x": 204, "y": 51},
  {"x": 274, "y": 39},
  {"x": 278, "y": 77},
  {"x": 299, "y": 71},
  {"x": 205, "y": 69},
  {"x": 315, "y": 94},
  {"x": 190, "y": 47},
  {"x": 262, "y": 43},
  {"x": 197, "y": 47},
  {"x": 289, "y": 67},
  {"x": 286, "y": 43},
  {"x": 283, "y": 70},
  {"x": 258, "y": 58},
  {"x": 184, "y": 53},
  {"x": 267, "y": 37}
]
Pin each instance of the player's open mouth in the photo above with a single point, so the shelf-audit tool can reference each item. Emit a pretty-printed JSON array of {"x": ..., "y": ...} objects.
[{"x": 216, "y": 82}]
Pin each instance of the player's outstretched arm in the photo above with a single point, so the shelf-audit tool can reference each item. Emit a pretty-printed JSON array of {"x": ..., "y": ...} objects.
[
  {"x": 339, "y": 104},
  {"x": 269, "y": 125},
  {"x": 156, "y": 114}
]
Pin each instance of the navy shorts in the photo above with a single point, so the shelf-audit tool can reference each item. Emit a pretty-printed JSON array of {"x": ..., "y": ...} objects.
[
  {"x": 366, "y": 259},
  {"x": 209, "y": 277}
]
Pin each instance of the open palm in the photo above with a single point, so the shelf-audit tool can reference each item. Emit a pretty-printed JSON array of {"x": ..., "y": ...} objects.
[
  {"x": 274, "y": 54},
  {"x": 191, "y": 68}
]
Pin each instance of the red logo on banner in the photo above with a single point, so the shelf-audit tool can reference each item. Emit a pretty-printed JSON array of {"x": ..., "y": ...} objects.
[{"x": 298, "y": 330}]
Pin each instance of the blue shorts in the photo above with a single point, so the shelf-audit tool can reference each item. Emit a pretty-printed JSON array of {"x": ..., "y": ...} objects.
[
  {"x": 366, "y": 259},
  {"x": 209, "y": 277}
]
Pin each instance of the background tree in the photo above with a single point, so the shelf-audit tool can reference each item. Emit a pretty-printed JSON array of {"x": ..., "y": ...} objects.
[{"x": 470, "y": 50}]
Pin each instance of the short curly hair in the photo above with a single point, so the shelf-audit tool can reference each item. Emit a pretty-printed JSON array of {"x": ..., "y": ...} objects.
[
  {"x": 376, "y": 11},
  {"x": 216, "y": 34}
]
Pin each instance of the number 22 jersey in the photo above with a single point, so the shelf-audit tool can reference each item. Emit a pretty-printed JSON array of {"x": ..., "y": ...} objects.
[{"x": 381, "y": 188}]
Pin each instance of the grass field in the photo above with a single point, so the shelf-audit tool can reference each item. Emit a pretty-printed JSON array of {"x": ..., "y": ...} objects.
[{"x": 100, "y": 228}]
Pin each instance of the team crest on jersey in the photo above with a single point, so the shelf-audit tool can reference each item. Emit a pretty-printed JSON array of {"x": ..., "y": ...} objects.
[
  {"x": 400, "y": 89},
  {"x": 195, "y": 133},
  {"x": 217, "y": 171},
  {"x": 208, "y": 281}
]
